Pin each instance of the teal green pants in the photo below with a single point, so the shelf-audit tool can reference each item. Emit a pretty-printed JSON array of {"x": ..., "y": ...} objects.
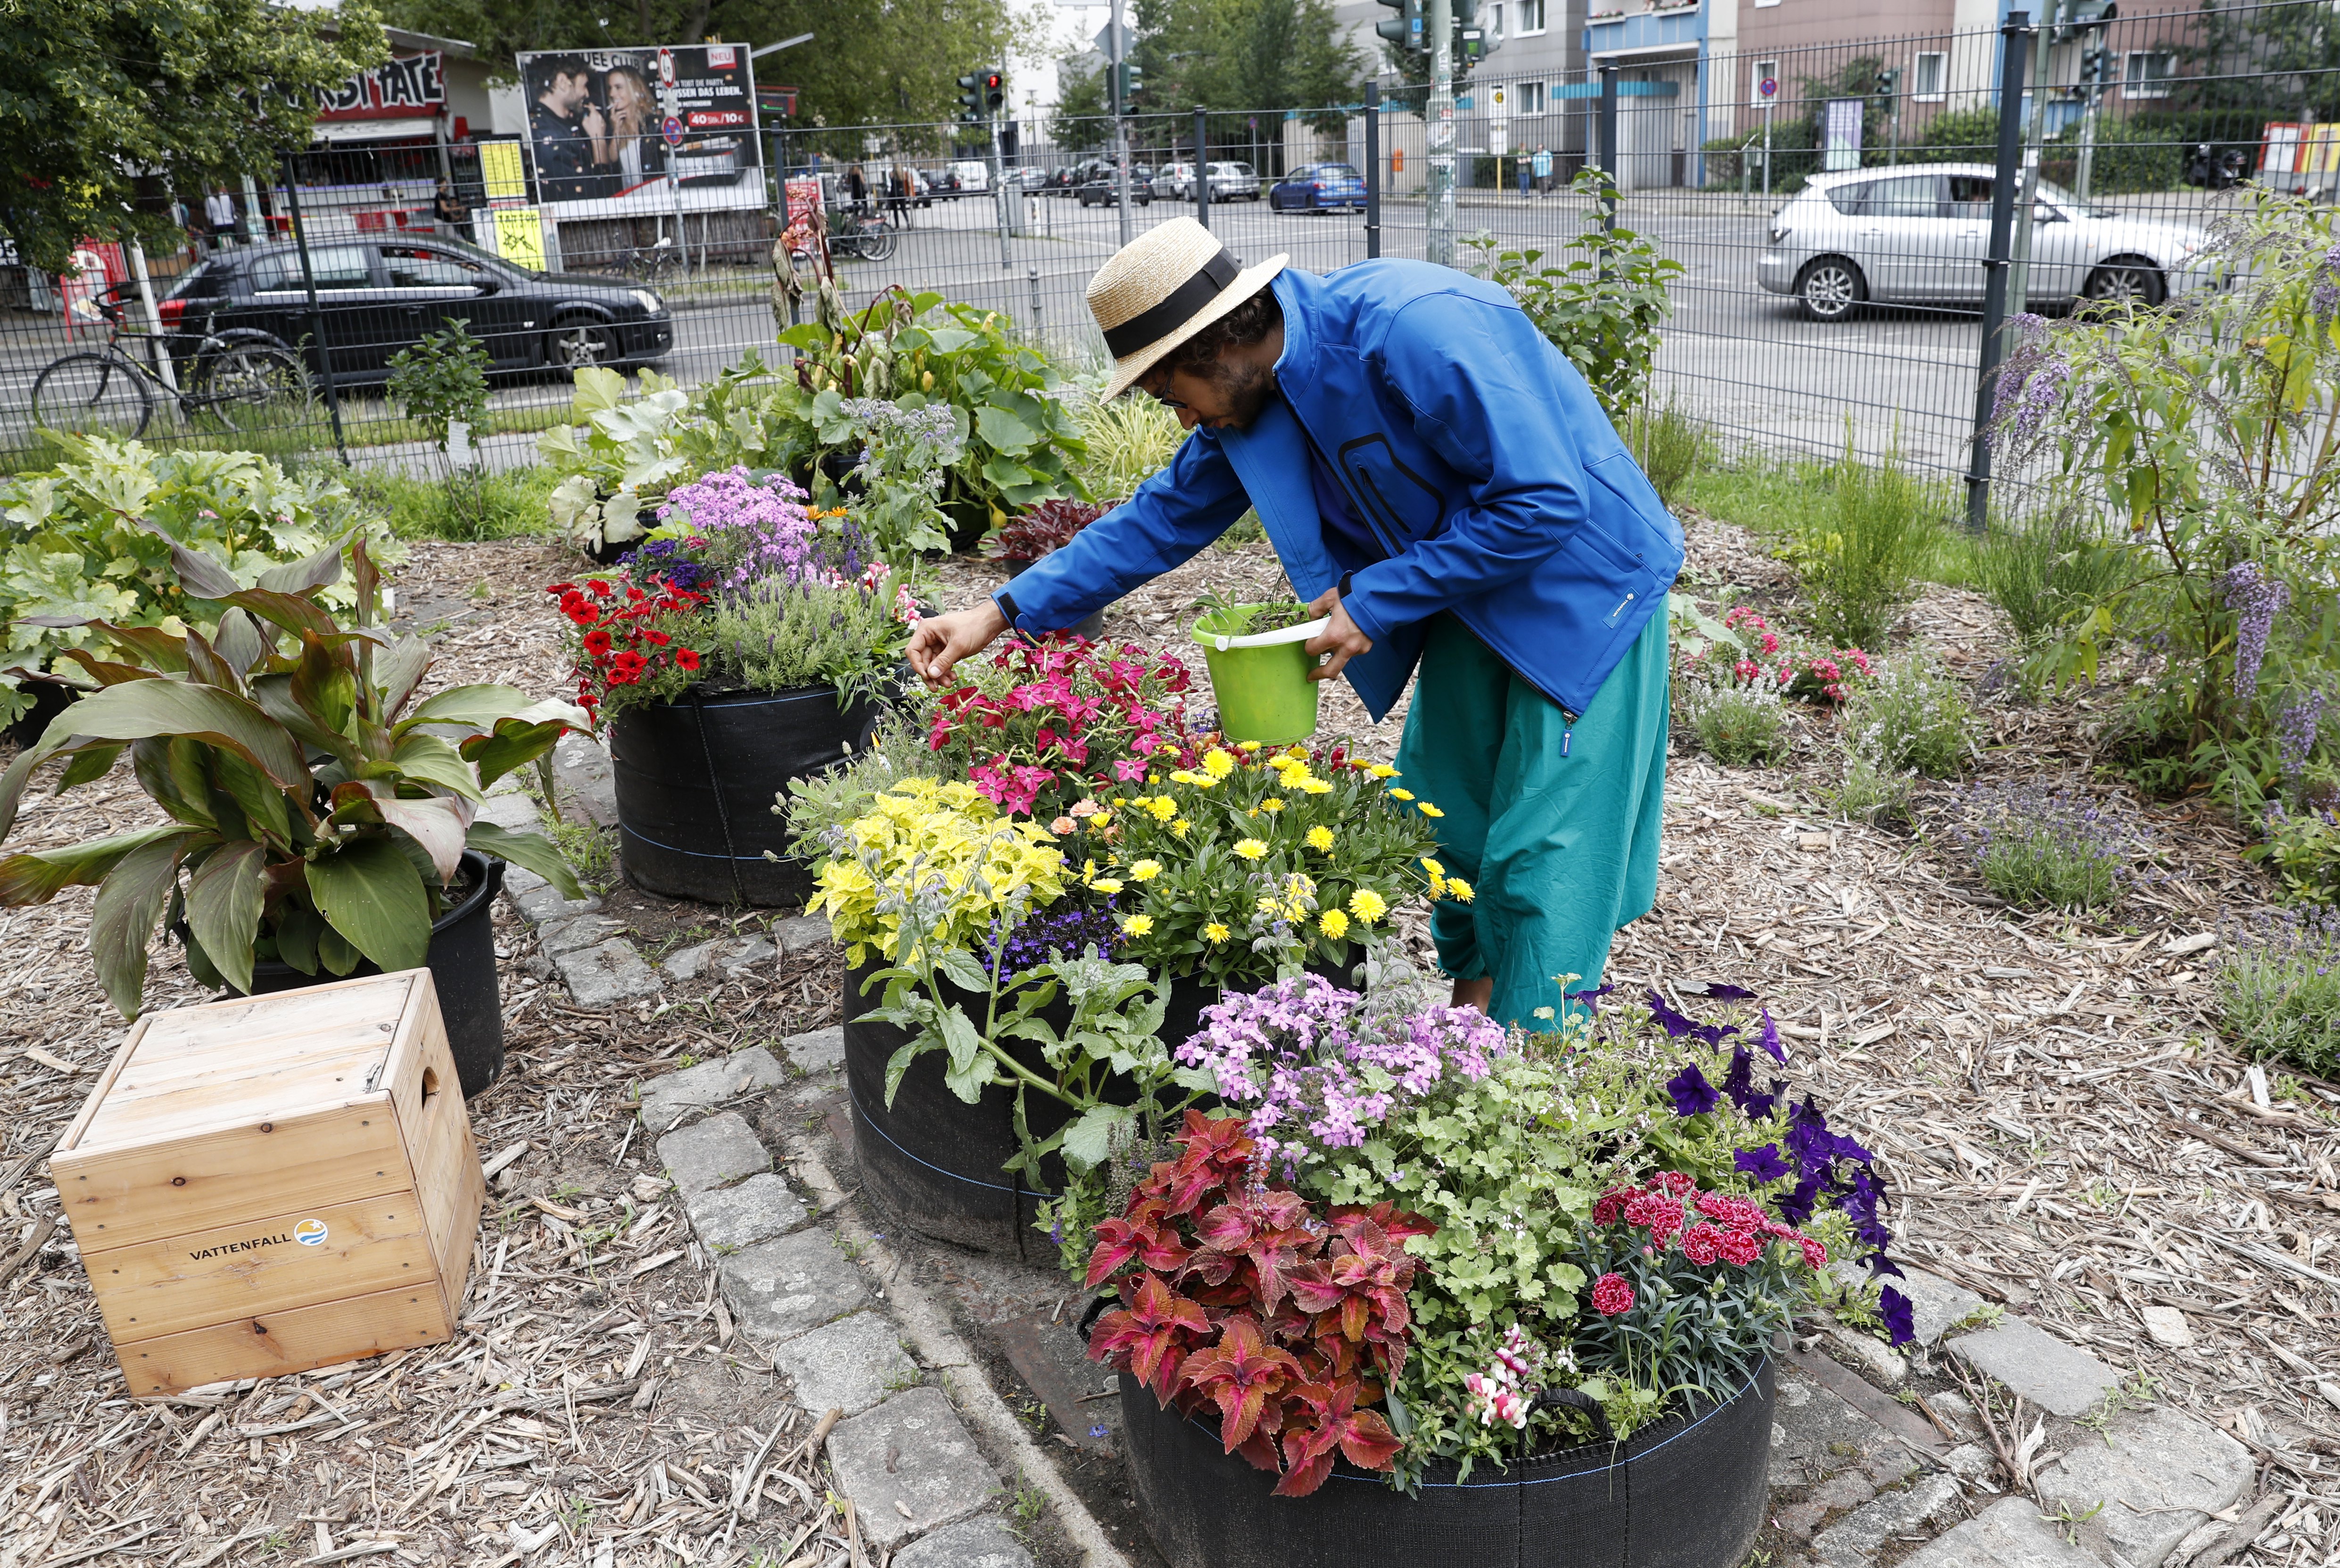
[{"x": 1555, "y": 829}]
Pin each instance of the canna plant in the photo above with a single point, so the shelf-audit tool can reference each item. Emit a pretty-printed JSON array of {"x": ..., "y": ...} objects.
[{"x": 318, "y": 810}]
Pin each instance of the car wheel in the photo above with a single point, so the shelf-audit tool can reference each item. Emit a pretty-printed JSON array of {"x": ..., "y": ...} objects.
[
  {"x": 1830, "y": 288},
  {"x": 578, "y": 345},
  {"x": 2127, "y": 280}
]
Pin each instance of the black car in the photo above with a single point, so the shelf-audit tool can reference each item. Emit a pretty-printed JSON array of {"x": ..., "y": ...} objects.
[
  {"x": 1098, "y": 182},
  {"x": 377, "y": 296},
  {"x": 1062, "y": 179}
]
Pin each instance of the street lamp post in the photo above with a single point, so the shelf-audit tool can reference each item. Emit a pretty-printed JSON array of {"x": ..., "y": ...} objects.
[{"x": 1440, "y": 126}]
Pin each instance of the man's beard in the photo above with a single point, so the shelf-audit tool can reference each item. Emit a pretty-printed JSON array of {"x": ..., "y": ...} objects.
[{"x": 1247, "y": 389}]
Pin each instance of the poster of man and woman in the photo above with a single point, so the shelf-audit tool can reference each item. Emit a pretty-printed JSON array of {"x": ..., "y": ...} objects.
[{"x": 608, "y": 137}]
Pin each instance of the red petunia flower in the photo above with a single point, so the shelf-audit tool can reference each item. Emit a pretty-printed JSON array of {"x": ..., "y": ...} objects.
[
  {"x": 601, "y": 589},
  {"x": 597, "y": 642},
  {"x": 687, "y": 658}
]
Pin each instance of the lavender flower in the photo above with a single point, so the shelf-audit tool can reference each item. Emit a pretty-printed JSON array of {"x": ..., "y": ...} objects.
[
  {"x": 2294, "y": 733},
  {"x": 2324, "y": 299},
  {"x": 2031, "y": 381},
  {"x": 2042, "y": 849},
  {"x": 2255, "y": 599}
]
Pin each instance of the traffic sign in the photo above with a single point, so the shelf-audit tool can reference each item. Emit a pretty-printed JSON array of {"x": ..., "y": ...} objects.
[
  {"x": 1768, "y": 86},
  {"x": 666, "y": 67},
  {"x": 672, "y": 129}
]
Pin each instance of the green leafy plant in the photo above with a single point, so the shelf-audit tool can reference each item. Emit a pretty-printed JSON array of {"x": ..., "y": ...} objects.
[
  {"x": 1860, "y": 554},
  {"x": 90, "y": 540},
  {"x": 269, "y": 854},
  {"x": 1909, "y": 717},
  {"x": 442, "y": 379},
  {"x": 1126, "y": 442},
  {"x": 1225, "y": 617},
  {"x": 1602, "y": 305},
  {"x": 1738, "y": 726},
  {"x": 2278, "y": 986},
  {"x": 1669, "y": 444},
  {"x": 2050, "y": 570}
]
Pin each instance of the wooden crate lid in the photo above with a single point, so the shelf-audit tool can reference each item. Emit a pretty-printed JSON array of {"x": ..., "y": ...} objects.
[{"x": 195, "y": 1067}]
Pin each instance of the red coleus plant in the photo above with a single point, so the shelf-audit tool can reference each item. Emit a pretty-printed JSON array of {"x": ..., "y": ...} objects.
[
  {"x": 1044, "y": 722},
  {"x": 1243, "y": 1296},
  {"x": 1045, "y": 526},
  {"x": 619, "y": 641}
]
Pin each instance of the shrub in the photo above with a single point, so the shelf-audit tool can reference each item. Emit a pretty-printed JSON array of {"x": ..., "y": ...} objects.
[
  {"x": 1668, "y": 444},
  {"x": 2044, "y": 850},
  {"x": 1738, "y": 726},
  {"x": 1910, "y": 718},
  {"x": 1872, "y": 792},
  {"x": 1860, "y": 554},
  {"x": 2278, "y": 986},
  {"x": 1129, "y": 441},
  {"x": 440, "y": 379},
  {"x": 2045, "y": 574}
]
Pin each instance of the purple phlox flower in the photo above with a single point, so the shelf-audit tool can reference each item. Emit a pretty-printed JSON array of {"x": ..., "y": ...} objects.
[
  {"x": 1739, "y": 1082},
  {"x": 1693, "y": 1095},
  {"x": 1900, "y": 1325},
  {"x": 1763, "y": 1165},
  {"x": 2256, "y": 598}
]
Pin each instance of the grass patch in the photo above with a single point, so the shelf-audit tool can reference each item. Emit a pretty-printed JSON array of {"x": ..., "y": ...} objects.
[
  {"x": 1783, "y": 500},
  {"x": 1669, "y": 444},
  {"x": 2047, "y": 572},
  {"x": 472, "y": 507}
]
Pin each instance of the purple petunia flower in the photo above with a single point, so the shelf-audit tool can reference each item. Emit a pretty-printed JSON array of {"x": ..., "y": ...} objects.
[
  {"x": 1693, "y": 1095},
  {"x": 1771, "y": 1038},
  {"x": 1899, "y": 1320},
  {"x": 1764, "y": 1165}
]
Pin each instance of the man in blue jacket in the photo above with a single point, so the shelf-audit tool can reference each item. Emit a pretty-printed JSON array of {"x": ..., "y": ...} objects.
[{"x": 1437, "y": 480}]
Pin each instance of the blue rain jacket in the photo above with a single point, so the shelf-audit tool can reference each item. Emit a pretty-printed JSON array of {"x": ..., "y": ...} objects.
[{"x": 1470, "y": 447}]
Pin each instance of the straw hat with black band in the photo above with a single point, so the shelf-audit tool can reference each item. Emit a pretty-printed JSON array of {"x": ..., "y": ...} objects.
[{"x": 1163, "y": 287}]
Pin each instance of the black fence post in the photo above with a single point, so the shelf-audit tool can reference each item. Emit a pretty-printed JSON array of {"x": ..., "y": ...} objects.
[
  {"x": 1372, "y": 169},
  {"x": 1202, "y": 171},
  {"x": 316, "y": 316},
  {"x": 2015, "y": 55},
  {"x": 1608, "y": 147}
]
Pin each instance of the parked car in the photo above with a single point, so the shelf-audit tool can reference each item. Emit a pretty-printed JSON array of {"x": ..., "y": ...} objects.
[
  {"x": 974, "y": 177},
  {"x": 1922, "y": 232},
  {"x": 1234, "y": 183},
  {"x": 1026, "y": 179},
  {"x": 377, "y": 297},
  {"x": 1099, "y": 184},
  {"x": 1062, "y": 179},
  {"x": 942, "y": 182},
  {"x": 1318, "y": 188},
  {"x": 1175, "y": 182}
]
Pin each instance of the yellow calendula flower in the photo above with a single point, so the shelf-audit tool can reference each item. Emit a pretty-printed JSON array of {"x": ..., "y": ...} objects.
[
  {"x": 1334, "y": 924},
  {"x": 1108, "y": 886},
  {"x": 1382, "y": 770},
  {"x": 1250, "y": 849},
  {"x": 1137, "y": 925},
  {"x": 1457, "y": 888},
  {"x": 1437, "y": 887},
  {"x": 1144, "y": 870},
  {"x": 1166, "y": 749},
  {"x": 1434, "y": 868},
  {"x": 1315, "y": 786},
  {"x": 1367, "y": 905},
  {"x": 1430, "y": 810},
  {"x": 1272, "y": 803},
  {"x": 1178, "y": 830},
  {"x": 1401, "y": 794},
  {"x": 1214, "y": 933},
  {"x": 1218, "y": 764},
  {"x": 1163, "y": 806},
  {"x": 1320, "y": 837},
  {"x": 1246, "y": 746},
  {"x": 1184, "y": 776}
]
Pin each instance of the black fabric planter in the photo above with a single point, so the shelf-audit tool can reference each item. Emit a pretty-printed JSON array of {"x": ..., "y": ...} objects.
[
  {"x": 1687, "y": 1493},
  {"x": 1091, "y": 625},
  {"x": 935, "y": 1159},
  {"x": 696, "y": 780},
  {"x": 462, "y": 960},
  {"x": 49, "y": 700}
]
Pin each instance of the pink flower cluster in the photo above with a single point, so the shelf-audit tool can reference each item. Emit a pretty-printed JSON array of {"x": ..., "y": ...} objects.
[
  {"x": 1731, "y": 1229},
  {"x": 1049, "y": 721},
  {"x": 1611, "y": 1295},
  {"x": 1766, "y": 660},
  {"x": 771, "y": 533},
  {"x": 1506, "y": 1390}
]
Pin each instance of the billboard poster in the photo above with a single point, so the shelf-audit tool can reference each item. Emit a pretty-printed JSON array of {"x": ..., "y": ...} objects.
[
  {"x": 397, "y": 89},
  {"x": 1840, "y": 132},
  {"x": 617, "y": 133}
]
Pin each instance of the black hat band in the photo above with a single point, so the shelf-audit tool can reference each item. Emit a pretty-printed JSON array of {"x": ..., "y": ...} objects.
[{"x": 1158, "y": 321}]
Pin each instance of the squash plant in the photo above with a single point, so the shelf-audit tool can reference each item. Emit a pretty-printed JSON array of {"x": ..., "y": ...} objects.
[{"x": 318, "y": 809}]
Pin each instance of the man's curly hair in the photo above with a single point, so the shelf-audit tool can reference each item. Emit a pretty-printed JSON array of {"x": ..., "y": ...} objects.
[{"x": 1241, "y": 327}]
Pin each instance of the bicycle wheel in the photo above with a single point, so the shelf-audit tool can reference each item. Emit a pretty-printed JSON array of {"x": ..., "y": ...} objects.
[
  {"x": 250, "y": 387},
  {"x": 92, "y": 394},
  {"x": 877, "y": 242}
]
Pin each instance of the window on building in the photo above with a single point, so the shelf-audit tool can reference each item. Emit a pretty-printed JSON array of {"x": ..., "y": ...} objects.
[
  {"x": 1529, "y": 16},
  {"x": 1531, "y": 98},
  {"x": 2146, "y": 74},
  {"x": 1929, "y": 75}
]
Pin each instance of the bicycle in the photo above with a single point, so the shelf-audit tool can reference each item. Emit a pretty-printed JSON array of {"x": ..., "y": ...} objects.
[
  {"x": 246, "y": 386},
  {"x": 657, "y": 266},
  {"x": 857, "y": 233}
]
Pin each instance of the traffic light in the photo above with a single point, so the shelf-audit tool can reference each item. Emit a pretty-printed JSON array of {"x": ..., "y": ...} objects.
[
  {"x": 994, "y": 91},
  {"x": 2096, "y": 67},
  {"x": 970, "y": 98},
  {"x": 1404, "y": 30},
  {"x": 1888, "y": 82},
  {"x": 1130, "y": 83},
  {"x": 1478, "y": 43},
  {"x": 2081, "y": 14}
]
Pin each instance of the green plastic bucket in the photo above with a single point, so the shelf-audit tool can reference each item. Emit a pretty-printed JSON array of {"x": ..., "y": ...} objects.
[{"x": 1261, "y": 681}]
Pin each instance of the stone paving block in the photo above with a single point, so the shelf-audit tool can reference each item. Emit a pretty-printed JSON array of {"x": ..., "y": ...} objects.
[
  {"x": 514, "y": 812},
  {"x": 2037, "y": 1365},
  {"x": 2010, "y": 1534},
  {"x": 567, "y": 934},
  {"x": 1854, "y": 1539},
  {"x": 1935, "y": 1304},
  {"x": 689, "y": 963},
  {"x": 710, "y": 1083},
  {"x": 780, "y": 1289},
  {"x": 1956, "y": 1412},
  {"x": 818, "y": 1051},
  {"x": 599, "y": 976},
  {"x": 537, "y": 900},
  {"x": 2161, "y": 1475},
  {"x": 798, "y": 932},
  {"x": 749, "y": 953},
  {"x": 582, "y": 768},
  {"x": 1881, "y": 1362},
  {"x": 910, "y": 1450},
  {"x": 713, "y": 1153},
  {"x": 1815, "y": 1434},
  {"x": 759, "y": 1209},
  {"x": 851, "y": 1364},
  {"x": 969, "y": 1544}
]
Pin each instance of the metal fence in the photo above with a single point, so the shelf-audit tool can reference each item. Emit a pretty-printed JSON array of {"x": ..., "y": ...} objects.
[{"x": 1833, "y": 205}]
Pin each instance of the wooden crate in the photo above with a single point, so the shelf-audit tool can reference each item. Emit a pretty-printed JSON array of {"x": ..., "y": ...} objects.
[{"x": 276, "y": 1183}]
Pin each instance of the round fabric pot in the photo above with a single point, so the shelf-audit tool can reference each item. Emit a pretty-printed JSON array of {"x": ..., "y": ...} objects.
[
  {"x": 49, "y": 700},
  {"x": 935, "y": 1159},
  {"x": 462, "y": 960},
  {"x": 1686, "y": 1492},
  {"x": 1261, "y": 683},
  {"x": 1091, "y": 626},
  {"x": 696, "y": 780}
]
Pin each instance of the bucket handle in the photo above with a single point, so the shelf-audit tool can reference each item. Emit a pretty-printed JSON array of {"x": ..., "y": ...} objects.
[
  {"x": 1089, "y": 1316},
  {"x": 1575, "y": 1399}
]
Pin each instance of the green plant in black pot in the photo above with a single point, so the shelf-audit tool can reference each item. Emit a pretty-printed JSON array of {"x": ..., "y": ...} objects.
[{"x": 319, "y": 810}]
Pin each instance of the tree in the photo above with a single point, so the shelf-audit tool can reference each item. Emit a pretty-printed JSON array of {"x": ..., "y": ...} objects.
[
  {"x": 868, "y": 63},
  {"x": 103, "y": 94},
  {"x": 1220, "y": 55}
]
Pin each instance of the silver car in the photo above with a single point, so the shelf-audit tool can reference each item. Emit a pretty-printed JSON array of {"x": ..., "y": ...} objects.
[
  {"x": 1921, "y": 233},
  {"x": 1229, "y": 183}
]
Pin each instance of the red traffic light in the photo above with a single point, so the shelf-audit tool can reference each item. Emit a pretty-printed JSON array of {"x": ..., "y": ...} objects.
[{"x": 994, "y": 81}]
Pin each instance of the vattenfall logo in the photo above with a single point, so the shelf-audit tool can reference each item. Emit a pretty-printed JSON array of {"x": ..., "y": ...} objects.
[{"x": 308, "y": 1232}]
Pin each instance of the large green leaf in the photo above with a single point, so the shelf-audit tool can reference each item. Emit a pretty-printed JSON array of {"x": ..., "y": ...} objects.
[
  {"x": 204, "y": 664},
  {"x": 370, "y": 894},
  {"x": 1002, "y": 431},
  {"x": 239, "y": 641},
  {"x": 273, "y": 693},
  {"x": 399, "y": 670},
  {"x": 37, "y": 876},
  {"x": 199, "y": 574},
  {"x": 294, "y": 614},
  {"x": 533, "y": 851},
  {"x": 93, "y": 764},
  {"x": 514, "y": 744},
  {"x": 170, "y": 770},
  {"x": 318, "y": 570},
  {"x": 477, "y": 706},
  {"x": 261, "y": 802},
  {"x": 297, "y": 929},
  {"x": 179, "y": 708},
  {"x": 223, "y": 900},
  {"x": 432, "y": 823},
  {"x": 129, "y": 907},
  {"x": 325, "y": 685},
  {"x": 160, "y": 650},
  {"x": 428, "y": 760}
]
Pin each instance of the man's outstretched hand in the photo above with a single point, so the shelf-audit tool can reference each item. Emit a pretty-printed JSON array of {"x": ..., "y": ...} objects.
[
  {"x": 942, "y": 640},
  {"x": 1342, "y": 639}
]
